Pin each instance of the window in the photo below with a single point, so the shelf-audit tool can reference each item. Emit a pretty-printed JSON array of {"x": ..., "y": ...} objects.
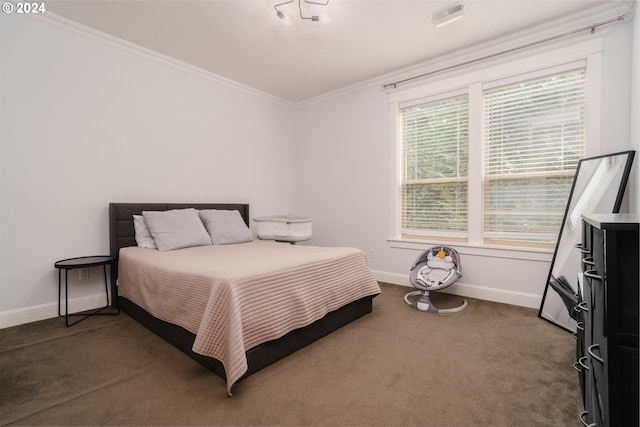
[
  {"x": 534, "y": 135},
  {"x": 530, "y": 135},
  {"x": 435, "y": 166}
]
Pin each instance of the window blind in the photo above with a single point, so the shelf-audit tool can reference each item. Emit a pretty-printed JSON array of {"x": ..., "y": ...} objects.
[
  {"x": 534, "y": 134},
  {"x": 435, "y": 167}
]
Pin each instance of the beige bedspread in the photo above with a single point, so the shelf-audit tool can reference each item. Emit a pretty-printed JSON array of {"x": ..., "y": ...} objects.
[{"x": 234, "y": 297}]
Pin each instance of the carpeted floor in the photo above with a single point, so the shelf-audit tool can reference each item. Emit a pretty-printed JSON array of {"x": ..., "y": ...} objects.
[{"x": 491, "y": 365}]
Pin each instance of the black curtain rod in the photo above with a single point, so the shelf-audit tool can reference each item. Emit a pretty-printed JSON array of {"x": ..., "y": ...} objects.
[{"x": 591, "y": 27}]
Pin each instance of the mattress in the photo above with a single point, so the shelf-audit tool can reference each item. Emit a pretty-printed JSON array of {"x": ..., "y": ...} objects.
[{"x": 235, "y": 297}]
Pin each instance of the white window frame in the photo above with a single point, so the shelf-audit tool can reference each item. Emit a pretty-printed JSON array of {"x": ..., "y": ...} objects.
[{"x": 473, "y": 81}]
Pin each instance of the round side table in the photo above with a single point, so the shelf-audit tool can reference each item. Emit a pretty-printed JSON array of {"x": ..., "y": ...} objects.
[{"x": 82, "y": 262}]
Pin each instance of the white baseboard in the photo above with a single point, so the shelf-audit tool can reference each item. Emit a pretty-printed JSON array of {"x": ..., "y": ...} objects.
[
  {"x": 521, "y": 299},
  {"x": 48, "y": 311}
]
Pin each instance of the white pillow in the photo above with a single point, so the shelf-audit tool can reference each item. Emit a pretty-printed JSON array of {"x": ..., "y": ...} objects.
[
  {"x": 225, "y": 227},
  {"x": 176, "y": 229},
  {"x": 144, "y": 239}
]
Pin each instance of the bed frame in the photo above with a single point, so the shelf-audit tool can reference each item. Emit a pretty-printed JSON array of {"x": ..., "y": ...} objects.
[{"x": 122, "y": 234}]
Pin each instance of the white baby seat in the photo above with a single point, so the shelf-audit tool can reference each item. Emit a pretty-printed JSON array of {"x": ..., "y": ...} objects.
[{"x": 435, "y": 269}]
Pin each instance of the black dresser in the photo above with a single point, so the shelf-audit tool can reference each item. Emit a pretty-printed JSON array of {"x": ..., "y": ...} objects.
[{"x": 607, "y": 332}]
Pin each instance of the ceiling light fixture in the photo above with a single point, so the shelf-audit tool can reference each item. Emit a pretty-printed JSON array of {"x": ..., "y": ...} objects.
[
  {"x": 448, "y": 15},
  {"x": 314, "y": 18}
]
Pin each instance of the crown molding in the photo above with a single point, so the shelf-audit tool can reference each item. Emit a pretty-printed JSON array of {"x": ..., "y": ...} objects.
[
  {"x": 560, "y": 25},
  {"x": 107, "y": 39},
  {"x": 567, "y": 23}
]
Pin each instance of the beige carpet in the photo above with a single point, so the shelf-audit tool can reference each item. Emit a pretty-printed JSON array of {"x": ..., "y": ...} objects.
[{"x": 491, "y": 365}]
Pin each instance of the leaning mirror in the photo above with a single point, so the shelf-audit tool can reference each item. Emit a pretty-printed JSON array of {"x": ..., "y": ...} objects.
[{"x": 598, "y": 187}]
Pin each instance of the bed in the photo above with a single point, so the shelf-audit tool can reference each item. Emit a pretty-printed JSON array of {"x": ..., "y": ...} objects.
[{"x": 310, "y": 291}]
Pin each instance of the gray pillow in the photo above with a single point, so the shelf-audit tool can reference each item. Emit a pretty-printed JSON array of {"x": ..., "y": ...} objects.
[
  {"x": 225, "y": 227},
  {"x": 144, "y": 239},
  {"x": 176, "y": 229}
]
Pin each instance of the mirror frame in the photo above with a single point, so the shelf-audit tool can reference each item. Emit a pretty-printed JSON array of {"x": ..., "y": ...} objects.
[{"x": 616, "y": 208}]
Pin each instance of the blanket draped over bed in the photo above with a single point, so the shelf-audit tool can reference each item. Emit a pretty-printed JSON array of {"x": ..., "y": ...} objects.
[{"x": 234, "y": 297}]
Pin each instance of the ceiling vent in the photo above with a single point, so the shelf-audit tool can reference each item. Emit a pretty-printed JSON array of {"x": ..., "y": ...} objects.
[{"x": 448, "y": 15}]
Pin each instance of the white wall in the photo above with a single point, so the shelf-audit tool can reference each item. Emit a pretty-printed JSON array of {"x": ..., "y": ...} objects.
[
  {"x": 85, "y": 122},
  {"x": 344, "y": 148}
]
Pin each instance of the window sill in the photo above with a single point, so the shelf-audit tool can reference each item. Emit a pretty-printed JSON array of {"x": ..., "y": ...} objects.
[{"x": 494, "y": 251}]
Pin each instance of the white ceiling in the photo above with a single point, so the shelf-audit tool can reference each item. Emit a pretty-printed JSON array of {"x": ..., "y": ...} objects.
[{"x": 295, "y": 60}]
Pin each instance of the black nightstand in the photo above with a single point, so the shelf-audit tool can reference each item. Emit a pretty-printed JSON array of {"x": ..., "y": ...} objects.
[{"x": 82, "y": 262}]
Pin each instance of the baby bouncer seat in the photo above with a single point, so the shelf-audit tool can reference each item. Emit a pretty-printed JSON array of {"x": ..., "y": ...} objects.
[{"x": 435, "y": 269}]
